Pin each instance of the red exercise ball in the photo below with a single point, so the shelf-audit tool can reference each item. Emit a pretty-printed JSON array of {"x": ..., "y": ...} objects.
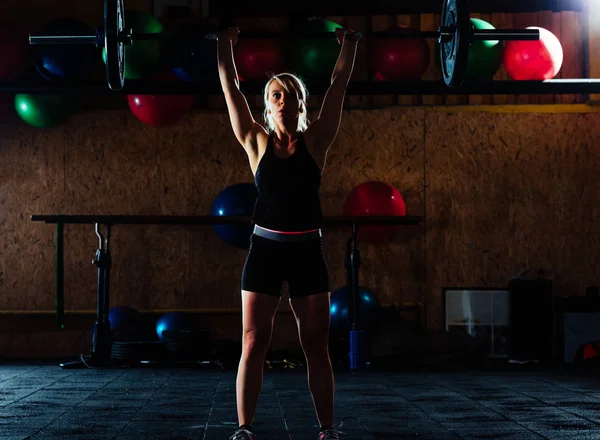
[
  {"x": 534, "y": 60},
  {"x": 375, "y": 198},
  {"x": 13, "y": 52},
  {"x": 158, "y": 110},
  {"x": 257, "y": 58},
  {"x": 399, "y": 59}
]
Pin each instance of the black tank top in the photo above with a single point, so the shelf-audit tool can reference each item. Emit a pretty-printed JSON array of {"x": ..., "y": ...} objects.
[{"x": 288, "y": 190}]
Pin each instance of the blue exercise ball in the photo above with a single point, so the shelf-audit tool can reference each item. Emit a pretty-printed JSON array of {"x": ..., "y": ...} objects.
[
  {"x": 121, "y": 316},
  {"x": 193, "y": 58},
  {"x": 74, "y": 62},
  {"x": 126, "y": 324},
  {"x": 236, "y": 200},
  {"x": 368, "y": 309},
  {"x": 172, "y": 323}
]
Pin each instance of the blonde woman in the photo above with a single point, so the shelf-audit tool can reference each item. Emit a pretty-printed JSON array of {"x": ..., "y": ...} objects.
[{"x": 287, "y": 156}]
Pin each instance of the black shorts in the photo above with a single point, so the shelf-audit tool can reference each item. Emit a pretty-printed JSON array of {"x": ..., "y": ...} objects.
[{"x": 270, "y": 263}]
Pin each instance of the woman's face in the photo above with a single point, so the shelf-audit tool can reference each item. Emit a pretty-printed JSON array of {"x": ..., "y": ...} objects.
[{"x": 283, "y": 106}]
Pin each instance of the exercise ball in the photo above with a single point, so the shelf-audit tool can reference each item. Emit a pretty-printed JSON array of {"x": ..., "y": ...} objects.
[
  {"x": 534, "y": 60},
  {"x": 315, "y": 57},
  {"x": 171, "y": 323},
  {"x": 485, "y": 56},
  {"x": 236, "y": 200},
  {"x": 74, "y": 62},
  {"x": 44, "y": 110},
  {"x": 160, "y": 110},
  {"x": 399, "y": 59},
  {"x": 375, "y": 198},
  {"x": 257, "y": 58},
  {"x": 126, "y": 323},
  {"x": 191, "y": 57},
  {"x": 13, "y": 52},
  {"x": 368, "y": 309},
  {"x": 142, "y": 58}
]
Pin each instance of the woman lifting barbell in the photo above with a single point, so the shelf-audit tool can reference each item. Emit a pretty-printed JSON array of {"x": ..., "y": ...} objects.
[{"x": 287, "y": 156}]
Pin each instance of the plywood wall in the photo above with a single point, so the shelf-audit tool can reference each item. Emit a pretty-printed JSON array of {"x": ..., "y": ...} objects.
[{"x": 504, "y": 192}]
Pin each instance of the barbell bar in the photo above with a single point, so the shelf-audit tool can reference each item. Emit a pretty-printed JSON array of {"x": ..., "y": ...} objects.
[
  {"x": 454, "y": 34},
  {"x": 130, "y": 37}
]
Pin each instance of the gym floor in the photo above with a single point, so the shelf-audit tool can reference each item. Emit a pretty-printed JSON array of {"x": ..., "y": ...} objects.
[{"x": 43, "y": 401}]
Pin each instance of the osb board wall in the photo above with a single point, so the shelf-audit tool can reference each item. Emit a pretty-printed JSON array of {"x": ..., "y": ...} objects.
[
  {"x": 108, "y": 163},
  {"x": 507, "y": 192},
  {"x": 504, "y": 192}
]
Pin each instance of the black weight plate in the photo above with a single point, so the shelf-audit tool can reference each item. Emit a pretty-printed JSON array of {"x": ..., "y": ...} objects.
[
  {"x": 114, "y": 26},
  {"x": 454, "y": 52}
]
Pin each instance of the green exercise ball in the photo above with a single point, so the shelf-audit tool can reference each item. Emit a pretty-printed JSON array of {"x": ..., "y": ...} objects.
[
  {"x": 315, "y": 57},
  {"x": 485, "y": 56},
  {"x": 142, "y": 58},
  {"x": 44, "y": 110}
]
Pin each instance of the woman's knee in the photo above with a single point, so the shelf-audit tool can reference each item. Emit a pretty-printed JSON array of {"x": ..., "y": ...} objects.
[
  {"x": 255, "y": 343},
  {"x": 315, "y": 343}
]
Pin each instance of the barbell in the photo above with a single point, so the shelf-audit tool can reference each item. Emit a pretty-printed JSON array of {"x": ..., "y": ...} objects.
[{"x": 455, "y": 34}]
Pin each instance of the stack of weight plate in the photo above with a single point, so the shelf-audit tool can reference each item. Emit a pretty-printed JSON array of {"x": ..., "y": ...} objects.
[
  {"x": 141, "y": 352},
  {"x": 188, "y": 345}
]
